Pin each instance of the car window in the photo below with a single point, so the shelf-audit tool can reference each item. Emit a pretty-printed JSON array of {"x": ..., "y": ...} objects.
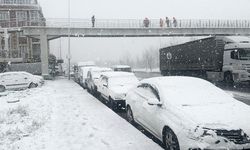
[
  {"x": 6, "y": 76},
  {"x": 24, "y": 75},
  {"x": 89, "y": 75},
  {"x": 15, "y": 76},
  {"x": 147, "y": 91},
  {"x": 104, "y": 80}
]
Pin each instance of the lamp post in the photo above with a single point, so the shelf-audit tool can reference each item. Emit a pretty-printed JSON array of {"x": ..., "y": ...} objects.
[{"x": 69, "y": 55}]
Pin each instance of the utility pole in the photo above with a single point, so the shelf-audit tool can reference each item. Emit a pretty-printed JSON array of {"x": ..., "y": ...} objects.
[
  {"x": 69, "y": 55},
  {"x": 6, "y": 42}
]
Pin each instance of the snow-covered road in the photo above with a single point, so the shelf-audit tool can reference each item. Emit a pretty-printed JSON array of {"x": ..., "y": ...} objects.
[{"x": 62, "y": 116}]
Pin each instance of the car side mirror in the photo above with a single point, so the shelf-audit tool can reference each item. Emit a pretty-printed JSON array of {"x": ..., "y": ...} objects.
[{"x": 154, "y": 101}]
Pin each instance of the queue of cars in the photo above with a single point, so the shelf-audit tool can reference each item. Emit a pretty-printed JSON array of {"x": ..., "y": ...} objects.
[
  {"x": 19, "y": 80},
  {"x": 111, "y": 85},
  {"x": 185, "y": 113}
]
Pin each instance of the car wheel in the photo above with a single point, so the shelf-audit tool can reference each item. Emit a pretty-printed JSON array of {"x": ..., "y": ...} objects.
[
  {"x": 111, "y": 103},
  {"x": 228, "y": 78},
  {"x": 170, "y": 140},
  {"x": 2, "y": 88},
  {"x": 129, "y": 115},
  {"x": 97, "y": 94},
  {"x": 33, "y": 85},
  {"x": 92, "y": 91}
]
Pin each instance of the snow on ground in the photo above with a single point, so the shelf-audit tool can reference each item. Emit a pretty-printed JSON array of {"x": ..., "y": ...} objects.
[{"x": 62, "y": 116}]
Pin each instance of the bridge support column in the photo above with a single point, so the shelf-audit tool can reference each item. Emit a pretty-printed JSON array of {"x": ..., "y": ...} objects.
[{"x": 44, "y": 55}]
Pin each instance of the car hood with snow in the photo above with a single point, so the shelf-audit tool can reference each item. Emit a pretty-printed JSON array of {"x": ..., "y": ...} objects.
[
  {"x": 121, "y": 89},
  {"x": 207, "y": 105}
]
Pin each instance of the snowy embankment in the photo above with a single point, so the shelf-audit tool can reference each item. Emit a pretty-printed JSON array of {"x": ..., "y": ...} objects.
[{"x": 62, "y": 116}]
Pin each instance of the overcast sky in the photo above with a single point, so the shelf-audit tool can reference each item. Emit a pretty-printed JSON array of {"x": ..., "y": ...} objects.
[
  {"x": 202, "y": 9},
  {"x": 88, "y": 48}
]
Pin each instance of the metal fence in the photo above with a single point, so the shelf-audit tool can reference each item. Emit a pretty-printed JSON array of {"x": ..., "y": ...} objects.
[
  {"x": 14, "y": 22},
  {"x": 10, "y": 54},
  {"x": 126, "y": 23},
  {"x": 154, "y": 23}
]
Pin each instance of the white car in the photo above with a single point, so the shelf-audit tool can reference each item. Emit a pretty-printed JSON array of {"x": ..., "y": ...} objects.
[
  {"x": 83, "y": 75},
  {"x": 93, "y": 77},
  {"x": 19, "y": 80},
  {"x": 78, "y": 68},
  {"x": 113, "y": 87},
  {"x": 188, "y": 113}
]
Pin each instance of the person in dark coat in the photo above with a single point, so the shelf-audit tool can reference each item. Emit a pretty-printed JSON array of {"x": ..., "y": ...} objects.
[
  {"x": 167, "y": 22},
  {"x": 146, "y": 22},
  {"x": 93, "y": 21}
]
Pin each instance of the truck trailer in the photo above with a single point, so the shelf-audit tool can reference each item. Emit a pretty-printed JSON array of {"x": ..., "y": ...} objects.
[{"x": 214, "y": 58}]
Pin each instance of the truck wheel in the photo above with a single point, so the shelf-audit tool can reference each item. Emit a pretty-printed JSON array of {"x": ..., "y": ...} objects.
[
  {"x": 2, "y": 88},
  {"x": 228, "y": 78}
]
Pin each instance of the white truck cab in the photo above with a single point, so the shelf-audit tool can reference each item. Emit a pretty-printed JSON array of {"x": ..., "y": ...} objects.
[{"x": 236, "y": 61}]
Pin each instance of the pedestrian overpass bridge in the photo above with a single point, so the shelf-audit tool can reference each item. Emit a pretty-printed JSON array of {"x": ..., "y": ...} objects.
[{"x": 56, "y": 28}]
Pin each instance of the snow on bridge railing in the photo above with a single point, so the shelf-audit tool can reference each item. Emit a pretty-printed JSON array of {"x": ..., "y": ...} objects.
[{"x": 126, "y": 23}]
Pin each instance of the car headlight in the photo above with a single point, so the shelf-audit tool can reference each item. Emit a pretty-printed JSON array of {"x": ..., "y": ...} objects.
[
  {"x": 248, "y": 138},
  {"x": 201, "y": 132}
]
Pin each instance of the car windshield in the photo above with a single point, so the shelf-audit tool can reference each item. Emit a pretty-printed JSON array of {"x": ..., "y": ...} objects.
[{"x": 121, "y": 81}]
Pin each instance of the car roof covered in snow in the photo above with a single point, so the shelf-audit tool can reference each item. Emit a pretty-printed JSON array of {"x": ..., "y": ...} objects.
[
  {"x": 87, "y": 63},
  {"x": 18, "y": 72},
  {"x": 174, "y": 80},
  {"x": 117, "y": 74},
  {"x": 100, "y": 69},
  {"x": 188, "y": 90},
  {"x": 121, "y": 66}
]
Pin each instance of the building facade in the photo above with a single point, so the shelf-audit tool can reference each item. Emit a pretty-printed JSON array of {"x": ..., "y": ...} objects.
[{"x": 14, "y": 46}]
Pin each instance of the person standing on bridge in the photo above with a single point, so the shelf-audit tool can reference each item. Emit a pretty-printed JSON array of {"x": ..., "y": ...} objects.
[
  {"x": 174, "y": 22},
  {"x": 167, "y": 22},
  {"x": 161, "y": 22},
  {"x": 93, "y": 21},
  {"x": 146, "y": 22}
]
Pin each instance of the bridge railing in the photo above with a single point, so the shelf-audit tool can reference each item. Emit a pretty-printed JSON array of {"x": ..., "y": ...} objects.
[
  {"x": 154, "y": 23},
  {"x": 126, "y": 23},
  {"x": 10, "y": 54}
]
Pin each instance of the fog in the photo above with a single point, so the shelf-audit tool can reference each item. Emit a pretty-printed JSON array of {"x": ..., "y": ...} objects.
[{"x": 114, "y": 48}]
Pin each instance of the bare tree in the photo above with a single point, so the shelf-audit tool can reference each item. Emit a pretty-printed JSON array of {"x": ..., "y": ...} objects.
[{"x": 148, "y": 59}]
